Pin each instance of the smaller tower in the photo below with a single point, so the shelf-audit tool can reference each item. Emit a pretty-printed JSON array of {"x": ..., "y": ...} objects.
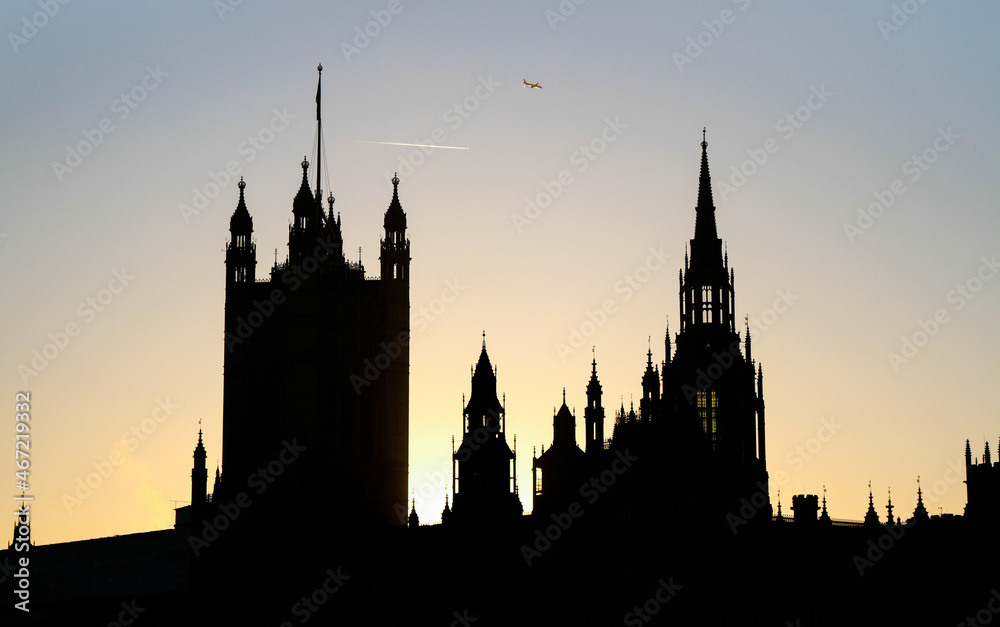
[
  {"x": 414, "y": 520},
  {"x": 199, "y": 477},
  {"x": 889, "y": 507},
  {"x": 593, "y": 415},
  {"x": 19, "y": 537},
  {"x": 241, "y": 252},
  {"x": 920, "y": 512},
  {"x": 824, "y": 517},
  {"x": 307, "y": 220},
  {"x": 485, "y": 490},
  {"x": 217, "y": 486},
  {"x": 446, "y": 512},
  {"x": 395, "y": 252},
  {"x": 871, "y": 516},
  {"x": 650, "y": 388},
  {"x": 561, "y": 469},
  {"x": 564, "y": 425}
]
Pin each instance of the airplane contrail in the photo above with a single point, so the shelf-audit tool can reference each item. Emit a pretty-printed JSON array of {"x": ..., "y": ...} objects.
[{"x": 362, "y": 141}]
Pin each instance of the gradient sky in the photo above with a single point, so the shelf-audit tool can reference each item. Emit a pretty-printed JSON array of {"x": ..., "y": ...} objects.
[{"x": 867, "y": 85}]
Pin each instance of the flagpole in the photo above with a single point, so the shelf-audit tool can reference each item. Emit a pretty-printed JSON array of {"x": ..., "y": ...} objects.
[{"x": 319, "y": 141}]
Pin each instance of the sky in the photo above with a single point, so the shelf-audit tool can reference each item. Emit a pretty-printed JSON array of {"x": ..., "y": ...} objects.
[{"x": 853, "y": 152}]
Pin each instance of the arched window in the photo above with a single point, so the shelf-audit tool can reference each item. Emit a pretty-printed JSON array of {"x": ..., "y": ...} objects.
[
  {"x": 706, "y": 303},
  {"x": 707, "y": 404}
]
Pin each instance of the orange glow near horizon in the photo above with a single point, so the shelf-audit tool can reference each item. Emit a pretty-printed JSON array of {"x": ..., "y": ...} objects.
[{"x": 852, "y": 182}]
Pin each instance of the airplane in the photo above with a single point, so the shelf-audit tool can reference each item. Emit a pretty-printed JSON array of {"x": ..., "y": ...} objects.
[{"x": 531, "y": 85}]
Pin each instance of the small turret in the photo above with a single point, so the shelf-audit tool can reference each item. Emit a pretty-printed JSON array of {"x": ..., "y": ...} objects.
[
  {"x": 217, "y": 486},
  {"x": 395, "y": 251},
  {"x": 414, "y": 520},
  {"x": 824, "y": 517},
  {"x": 241, "y": 252},
  {"x": 650, "y": 388},
  {"x": 871, "y": 517},
  {"x": 564, "y": 425},
  {"x": 446, "y": 512},
  {"x": 920, "y": 512},
  {"x": 199, "y": 477},
  {"x": 593, "y": 415}
]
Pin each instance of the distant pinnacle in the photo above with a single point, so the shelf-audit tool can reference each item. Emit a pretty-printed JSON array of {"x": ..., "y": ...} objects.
[{"x": 704, "y": 229}]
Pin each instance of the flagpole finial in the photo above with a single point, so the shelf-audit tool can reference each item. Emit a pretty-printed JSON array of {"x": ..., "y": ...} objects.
[{"x": 319, "y": 68}]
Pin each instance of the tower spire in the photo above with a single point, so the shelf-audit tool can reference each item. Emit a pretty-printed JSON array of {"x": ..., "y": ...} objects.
[
  {"x": 824, "y": 517},
  {"x": 920, "y": 512},
  {"x": 871, "y": 516},
  {"x": 705, "y": 224},
  {"x": 594, "y": 413}
]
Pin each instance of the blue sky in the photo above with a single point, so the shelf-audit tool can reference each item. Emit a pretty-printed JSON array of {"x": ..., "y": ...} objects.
[{"x": 842, "y": 243}]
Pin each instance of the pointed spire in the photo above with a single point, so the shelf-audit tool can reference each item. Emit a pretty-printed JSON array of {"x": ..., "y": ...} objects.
[
  {"x": 199, "y": 450},
  {"x": 666, "y": 342},
  {"x": 705, "y": 223},
  {"x": 395, "y": 218},
  {"x": 920, "y": 512},
  {"x": 986, "y": 455},
  {"x": 871, "y": 517},
  {"x": 746, "y": 343},
  {"x": 305, "y": 205},
  {"x": 889, "y": 507},
  {"x": 824, "y": 517},
  {"x": 705, "y": 180},
  {"x": 780, "y": 517},
  {"x": 414, "y": 520},
  {"x": 241, "y": 223},
  {"x": 242, "y": 203}
]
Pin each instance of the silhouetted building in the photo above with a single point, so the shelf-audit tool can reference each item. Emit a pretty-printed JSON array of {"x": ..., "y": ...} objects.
[
  {"x": 484, "y": 479},
  {"x": 983, "y": 486},
  {"x": 563, "y": 467},
  {"x": 667, "y": 520},
  {"x": 701, "y": 421},
  {"x": 318, "y": 353}
]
